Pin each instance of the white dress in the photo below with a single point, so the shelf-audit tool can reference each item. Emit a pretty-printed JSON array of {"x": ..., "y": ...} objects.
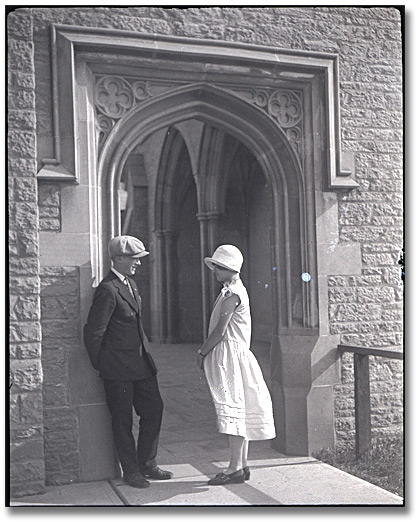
[{"x": 240, "y": 394}]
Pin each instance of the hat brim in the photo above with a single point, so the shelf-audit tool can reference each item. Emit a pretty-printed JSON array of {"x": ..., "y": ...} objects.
[
  {"x": 210, "y": 262},
  {"x": 140, "y": 254}
]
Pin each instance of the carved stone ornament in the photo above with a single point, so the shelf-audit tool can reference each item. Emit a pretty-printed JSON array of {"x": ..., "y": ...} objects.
[
  {"x": 113, "y": 96},
  {"x": 116, "y": 96}
]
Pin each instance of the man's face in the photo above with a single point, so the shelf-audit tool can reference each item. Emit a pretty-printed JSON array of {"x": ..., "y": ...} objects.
[{"x": 126, "y": 265}]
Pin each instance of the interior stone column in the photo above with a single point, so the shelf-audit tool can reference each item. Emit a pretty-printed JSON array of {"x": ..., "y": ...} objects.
[
  {"x": 158, "y": 316},
  {"x": 205, "y": 284},
  {"x": 213, "y": 242},
  {"x": 171, "y": 283}
]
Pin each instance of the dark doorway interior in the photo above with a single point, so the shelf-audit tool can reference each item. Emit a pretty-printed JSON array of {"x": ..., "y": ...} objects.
[{"x": 239, "y": 196}]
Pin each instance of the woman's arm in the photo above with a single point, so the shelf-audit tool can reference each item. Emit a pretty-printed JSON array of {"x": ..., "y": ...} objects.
[{"x": 216, "y": 335}]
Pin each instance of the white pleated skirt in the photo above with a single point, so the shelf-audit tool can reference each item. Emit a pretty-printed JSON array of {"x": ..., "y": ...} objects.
[{"x": 240, "y": 394}]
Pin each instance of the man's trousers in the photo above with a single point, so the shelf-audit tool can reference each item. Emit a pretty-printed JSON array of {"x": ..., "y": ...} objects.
[{"x": 144, "y": 396}]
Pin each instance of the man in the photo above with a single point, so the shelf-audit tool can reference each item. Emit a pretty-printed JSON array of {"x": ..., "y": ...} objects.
[{"x": 117, "y": 347}]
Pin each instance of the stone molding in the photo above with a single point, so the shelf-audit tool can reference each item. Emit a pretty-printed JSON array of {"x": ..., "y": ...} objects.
[{"x": 281, "y": 66}]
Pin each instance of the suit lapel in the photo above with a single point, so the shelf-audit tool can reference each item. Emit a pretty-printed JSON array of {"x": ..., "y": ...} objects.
[{"x": 125, "y": 293}]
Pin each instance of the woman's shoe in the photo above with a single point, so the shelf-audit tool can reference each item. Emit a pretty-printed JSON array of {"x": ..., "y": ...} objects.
[
  {"x": 247, "y": 472},
  {"x": 238, "y": 477}
]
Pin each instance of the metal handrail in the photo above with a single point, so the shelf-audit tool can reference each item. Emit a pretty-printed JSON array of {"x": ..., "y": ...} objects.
[{"x": 362, "y": 390}]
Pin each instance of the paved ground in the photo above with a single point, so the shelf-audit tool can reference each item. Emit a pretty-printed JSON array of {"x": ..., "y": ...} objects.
[{"x": 191, "y": 447}]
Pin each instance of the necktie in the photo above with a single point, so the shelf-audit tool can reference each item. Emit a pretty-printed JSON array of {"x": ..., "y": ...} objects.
[{"x": 127, "y": 283}]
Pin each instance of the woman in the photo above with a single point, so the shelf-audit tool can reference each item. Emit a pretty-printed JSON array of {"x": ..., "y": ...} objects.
[{"x": 240, "y": 395}]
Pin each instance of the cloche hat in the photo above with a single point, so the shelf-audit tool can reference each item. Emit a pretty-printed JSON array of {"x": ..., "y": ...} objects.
[
  {"x": 226, "y": 256},
  {"x": 126, "y": 246}
]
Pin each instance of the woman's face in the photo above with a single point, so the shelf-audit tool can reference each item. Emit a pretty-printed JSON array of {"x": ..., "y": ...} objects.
[{"x": 222, "y": 274}]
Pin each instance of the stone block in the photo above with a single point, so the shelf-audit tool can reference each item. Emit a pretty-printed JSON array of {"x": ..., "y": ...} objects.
[
  {"x": 21, "y": 81},
  {"x": 25, "y": 375},
  {"x": 27, "y": 451},
  {"x": 57, "y": 478},
  {"x": 20, "y": 55},
  {"x": 55, "y": 367},
  {"x": 67, "y": 344},
  {"x": 22, "y": 144},
  {"x": 55, "y": 395},
  {"x": 59, "y": 271},
  {"x": 23, "y": 100},
  {"x": 58, "y": 329},
  {"x": 25, "y": 434},
  {"x": 64, "y": 249},
  {"x": 60, "y": 307},
  {"x": 22, "y": 167},
  {"x": 21, "y": 119},
  {"x": 27, "y": 243},
  {"x": 49, "y": 213},
  {"x": 27, "y": 472},
  {"x": 25, "y": 332},
  {"x": 381, "y": 294},
  {"x": 24, "y": 308},
  {"x": 25, "y": 215},
  {"x": 342, "y": 295},
  {"x": 28, "y": 488},
  {"x": 61, "y": 420},
  {"x": 368, "y": 280},
  {"x": 49, "y": 195},
  {"x": 19, "y": 24},
  {"x": 49, "y": 224},
  {"x": 26, "y": 192},
  {"x": 31, "y": 408},
  {"x": 354, "y": 312},
  {"x": 28, "y": 351},
  {"x": 75, "y": 222},
  {"x": 339, "y": 259},
  {"x": 14, "y": 410},
  {"x": 23, "y": 266},
  {"x": 58, "y": 286},
  {"x": 24, "y": 285}
]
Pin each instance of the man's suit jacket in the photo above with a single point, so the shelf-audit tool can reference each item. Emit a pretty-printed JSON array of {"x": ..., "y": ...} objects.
[{"x": 114, "y": 336}]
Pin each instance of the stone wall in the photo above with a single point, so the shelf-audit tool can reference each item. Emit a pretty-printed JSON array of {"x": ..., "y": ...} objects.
[
  {"x": 26, "y": 407},
  {"x": 60, "y": 339}
]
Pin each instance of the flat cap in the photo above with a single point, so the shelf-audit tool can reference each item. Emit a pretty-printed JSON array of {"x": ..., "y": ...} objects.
[{"x": 126, "y": 246}]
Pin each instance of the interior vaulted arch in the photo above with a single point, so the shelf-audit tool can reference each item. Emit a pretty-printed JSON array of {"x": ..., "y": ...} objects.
[{"x": 174, "y": 181}]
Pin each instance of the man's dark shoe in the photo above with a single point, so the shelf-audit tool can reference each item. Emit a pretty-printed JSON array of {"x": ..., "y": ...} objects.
[
  {"x": 247, "y": 473},
  {"x": 238, "y": 477},
  {"x": 136, "y": 480},
  {"x": 157, "y": 474}
]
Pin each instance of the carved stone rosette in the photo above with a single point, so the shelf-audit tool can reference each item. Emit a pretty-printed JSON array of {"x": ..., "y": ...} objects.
[
  {"x": 115, "y": 97},
  {"x": 284, "y": 107}
]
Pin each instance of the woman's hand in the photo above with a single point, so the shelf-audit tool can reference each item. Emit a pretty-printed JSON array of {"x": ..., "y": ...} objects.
[{"x": 200, "y": 360}]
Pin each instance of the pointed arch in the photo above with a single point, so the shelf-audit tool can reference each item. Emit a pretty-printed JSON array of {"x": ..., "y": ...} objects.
[{"x": 289, "y": 228}]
